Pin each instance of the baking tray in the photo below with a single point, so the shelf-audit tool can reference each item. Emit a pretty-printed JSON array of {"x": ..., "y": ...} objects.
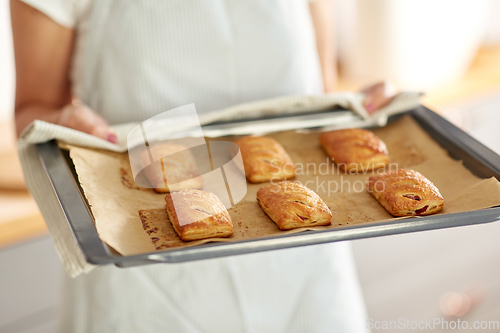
[{"x": 480, "y": 160}]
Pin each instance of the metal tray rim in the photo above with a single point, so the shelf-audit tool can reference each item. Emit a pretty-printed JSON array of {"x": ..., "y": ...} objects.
[{"x": 78, "y": 215}]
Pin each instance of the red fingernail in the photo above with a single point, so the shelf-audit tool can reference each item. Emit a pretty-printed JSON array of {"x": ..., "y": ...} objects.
[
  {"x": 370, "y": 107},
  {"x": 112, "y": 138}
]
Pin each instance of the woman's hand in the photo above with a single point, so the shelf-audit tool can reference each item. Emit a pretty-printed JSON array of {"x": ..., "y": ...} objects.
[
  {"x": 80, "y": 117},
  {"x": 378, "y": 95},
  {"x": 75, "y": 115}
]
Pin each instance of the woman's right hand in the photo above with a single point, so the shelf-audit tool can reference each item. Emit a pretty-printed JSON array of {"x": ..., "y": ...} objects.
[{"x": 80, "y": 117}]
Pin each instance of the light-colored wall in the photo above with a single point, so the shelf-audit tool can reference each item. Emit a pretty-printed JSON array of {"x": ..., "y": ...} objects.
[
  {"x": 6, "y": 63},
  {"x": 493, "y": 24},
  {"x": 417, "y": 44}
]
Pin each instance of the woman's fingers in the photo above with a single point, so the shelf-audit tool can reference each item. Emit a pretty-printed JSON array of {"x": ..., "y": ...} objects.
[
  {"x": 79, "y": 117},
  {"x": 378, "y": 95},
  {"x": 105, "y": 133}
]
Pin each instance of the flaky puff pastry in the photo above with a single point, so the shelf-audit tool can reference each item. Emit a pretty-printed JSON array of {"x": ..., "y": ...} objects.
[
  {"x": 196, "y": 214},
  {"x": 291, "y": 205},
  {"x": 355, "y": 149},
  {"x": 405, "y": 193},
  {"x": 265, "y": 159},
  {"x": 176, "y": 171}
]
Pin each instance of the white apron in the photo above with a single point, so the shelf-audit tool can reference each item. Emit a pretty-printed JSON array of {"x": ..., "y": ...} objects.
[{"x": 135, "y": 59}]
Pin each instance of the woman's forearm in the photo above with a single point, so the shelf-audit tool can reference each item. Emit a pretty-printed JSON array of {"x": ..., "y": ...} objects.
[
  {"x": 323, "y": 21},
  {"x": 25, "y": 114},
  {"x": 43, "y": 52}
]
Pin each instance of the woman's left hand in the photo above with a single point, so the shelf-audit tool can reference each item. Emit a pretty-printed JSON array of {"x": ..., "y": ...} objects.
[{"x": 378, "y": 95}]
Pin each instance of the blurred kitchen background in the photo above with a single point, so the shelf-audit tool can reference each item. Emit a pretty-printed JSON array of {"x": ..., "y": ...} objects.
[{"x": 448, "y": 48}]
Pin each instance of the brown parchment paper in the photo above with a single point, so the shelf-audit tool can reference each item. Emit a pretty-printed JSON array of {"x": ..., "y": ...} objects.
[{"x": 132, "y": 220}]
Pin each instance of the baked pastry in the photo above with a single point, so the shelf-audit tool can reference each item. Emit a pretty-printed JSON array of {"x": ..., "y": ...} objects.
[
  {"x": 196, "y": 214},
  {"x": 265, "y": 159},
  {"x": 291, "y": 205},
  {"x": 355, "y": 149},
  {"x": 405, "y": 193},
  {"x": 177, "y": 170}
]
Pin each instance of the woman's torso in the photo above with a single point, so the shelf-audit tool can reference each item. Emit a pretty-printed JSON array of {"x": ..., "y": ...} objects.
[{"x": 135, "y": 59}]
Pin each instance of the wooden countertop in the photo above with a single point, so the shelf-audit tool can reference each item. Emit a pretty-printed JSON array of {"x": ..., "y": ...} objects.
[{"x": 24, "y": 222}]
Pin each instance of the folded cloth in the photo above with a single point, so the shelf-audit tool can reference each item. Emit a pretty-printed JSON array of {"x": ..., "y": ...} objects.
[
  {"x": 39, "y": 131},
  {"x": 304, "y": 103}
]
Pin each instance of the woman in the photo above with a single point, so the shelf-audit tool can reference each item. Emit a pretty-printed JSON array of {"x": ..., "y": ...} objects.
[{"x": 127, "y": 61}]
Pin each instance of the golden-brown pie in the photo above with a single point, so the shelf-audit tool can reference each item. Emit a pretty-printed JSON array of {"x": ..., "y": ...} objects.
[
  {"x": 177, "y": 170},
  {"x": 355, "y": 149},
  {"x": 405, "y": 193},
  {"x": 196, "y": 214},
  {"x": 292, "y": 205},
  {"x": 265, "y": 159}
]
